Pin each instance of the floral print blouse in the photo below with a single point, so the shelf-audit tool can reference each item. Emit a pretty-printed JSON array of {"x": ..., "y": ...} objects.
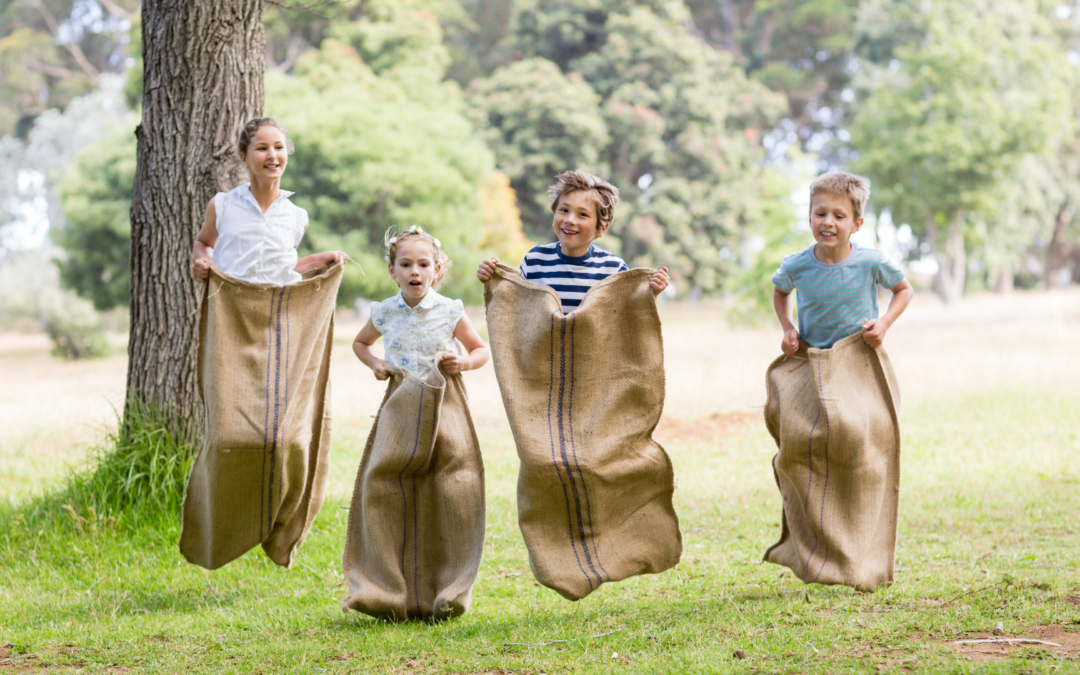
[{"x": 413, "y": 335}]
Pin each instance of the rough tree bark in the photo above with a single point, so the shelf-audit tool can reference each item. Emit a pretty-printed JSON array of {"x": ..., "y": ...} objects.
[
  {"x": 1058, "y": 250},
  {"x": 203, "y": 80}
]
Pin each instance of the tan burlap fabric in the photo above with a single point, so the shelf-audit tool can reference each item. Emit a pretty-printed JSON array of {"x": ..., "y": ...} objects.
[
  {"x": 416, "y": 522},
  {"x": 833, "y": 414},
  {"x": 584, "y": 393},
  {"x": 264, "y": 375}
]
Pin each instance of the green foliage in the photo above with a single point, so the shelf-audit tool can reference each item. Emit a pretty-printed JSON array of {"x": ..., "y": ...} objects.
[
  {"x": 382, "y": 149},
  {"x": 943, "y": 127},
  {"x": 96, "y": 201},
  {"x": 799, "y": 48},
  {"x": 539, "y": 123},
  {"x": 52, "y": 51},
  {"x": 667, "y": 118},
  {"x": 75, "y": 328},
  {"x": 134, "y": 478}
]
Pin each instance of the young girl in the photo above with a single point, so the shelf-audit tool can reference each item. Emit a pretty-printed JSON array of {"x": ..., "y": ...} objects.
[
  {"x": 418, "y": 323},
  {"x": 251, "y": 232},
  {"x": 416, "y": 523}
]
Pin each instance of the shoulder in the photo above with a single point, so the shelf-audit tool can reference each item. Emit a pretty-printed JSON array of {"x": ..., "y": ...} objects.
[
  {"x": 381, "y": 309},
  {"x": 797, "y": 260},
  {"x": 544, "y": 250},
  {"x": 607, "y": 258}
]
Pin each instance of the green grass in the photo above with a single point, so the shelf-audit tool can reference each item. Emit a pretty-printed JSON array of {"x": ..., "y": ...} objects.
[{"x": 988, "y": 532}]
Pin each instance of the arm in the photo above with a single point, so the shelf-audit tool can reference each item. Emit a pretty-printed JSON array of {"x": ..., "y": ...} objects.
[
  {"x": 781, "y": 302},
  {"x": 317, "y": 260},
  {"x": 478, "y": 353},
  {"x": 202, "y": 254},
  {"x": 874, "y": 329},
  {"x": 658, "y": 281},
  {"x": 361, "y": 346}
]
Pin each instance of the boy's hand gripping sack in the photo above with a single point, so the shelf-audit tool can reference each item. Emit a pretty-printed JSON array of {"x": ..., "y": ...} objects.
[
  {"x": 583, "y": 393},
  {"x": 416, "y": 522},
  {"x": 833, "y": 414},
  {"x": 264, "y": 377}
]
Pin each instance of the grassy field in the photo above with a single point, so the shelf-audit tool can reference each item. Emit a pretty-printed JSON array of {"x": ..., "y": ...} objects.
[{"x": 988, "y": 529}]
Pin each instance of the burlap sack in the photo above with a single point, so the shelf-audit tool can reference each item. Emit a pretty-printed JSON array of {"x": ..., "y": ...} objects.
[
  {"x": 416, "y": 522},
  {"x": 264, "y": 376},
  {"x": 833, "y": 414},
  {"x": 584, "y": 393}
]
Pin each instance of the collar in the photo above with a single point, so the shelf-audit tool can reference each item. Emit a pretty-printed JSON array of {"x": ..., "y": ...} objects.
[
  {"x": 246, "y": 189},
  {"x": 427, "y": 303}
]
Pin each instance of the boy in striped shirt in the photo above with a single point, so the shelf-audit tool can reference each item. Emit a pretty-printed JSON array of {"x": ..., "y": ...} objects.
[
  {"x": 584, "y": 207},
  {"x": 837, "y": 280}
]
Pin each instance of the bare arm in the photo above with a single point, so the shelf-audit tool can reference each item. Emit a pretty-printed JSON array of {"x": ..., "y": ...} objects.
[
  {"x": 478, "y": 353},
  {"x": 202, "y": 254},
  {"x": 362, "y": 348},
  {"x": 874, "y": 329},
  {"x": 317, "y": 260},
  {"x": 782, "y": 305}
]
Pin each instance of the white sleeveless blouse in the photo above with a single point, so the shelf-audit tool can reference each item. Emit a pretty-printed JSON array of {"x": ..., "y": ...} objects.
[{"x": 257, "y": 247}]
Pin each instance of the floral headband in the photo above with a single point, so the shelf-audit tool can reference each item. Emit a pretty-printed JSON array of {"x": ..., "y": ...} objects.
[{"x": 412, "y": 230}]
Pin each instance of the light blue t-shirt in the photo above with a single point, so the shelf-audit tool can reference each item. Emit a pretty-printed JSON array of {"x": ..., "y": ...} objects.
[{"x": 835, "y": 299}]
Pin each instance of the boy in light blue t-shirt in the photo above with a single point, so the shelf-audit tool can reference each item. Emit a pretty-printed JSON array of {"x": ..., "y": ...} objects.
[{"x": 836, "y": 279}]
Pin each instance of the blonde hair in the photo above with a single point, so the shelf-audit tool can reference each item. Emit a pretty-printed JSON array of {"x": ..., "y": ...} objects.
[
  {"x": 603, "y": 193},
  {"x": 392, "y": 237},
  {"x": 841, "y": 184}
]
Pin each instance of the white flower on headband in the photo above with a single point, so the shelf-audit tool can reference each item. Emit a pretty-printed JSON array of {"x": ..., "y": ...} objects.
[
  {"x": 393, "y": 240},
  {"x": 386, "y": 258},
  {"x": 438, "y": 244},
  {"x": 413, "y": 229}
]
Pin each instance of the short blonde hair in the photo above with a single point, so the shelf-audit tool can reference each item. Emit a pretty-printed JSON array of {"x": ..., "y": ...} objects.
[
  {"x": 603, "y": 193},
  {"x": 842, "y": 184},
  {"x": 392, "y": 237}
]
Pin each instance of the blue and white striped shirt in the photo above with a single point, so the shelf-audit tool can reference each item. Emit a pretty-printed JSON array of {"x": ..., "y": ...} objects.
[
  {"x": 570, "y": 277},
  {"x": 835, "y": 298}
]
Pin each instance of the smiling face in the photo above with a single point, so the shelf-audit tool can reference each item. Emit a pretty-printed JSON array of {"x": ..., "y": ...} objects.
[
  {"x": 414, "y": 269},
  {"x": 267, "y": 154},
  {"x": 832, "y": 222},
  {"x": 576, "y": 224}
]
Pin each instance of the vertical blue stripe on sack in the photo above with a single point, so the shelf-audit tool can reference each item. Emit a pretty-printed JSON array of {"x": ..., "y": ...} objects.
[
  {"x": 573, "y": 449},
  {"x": 554, "y": 462},
  {"x": 263, "y": 478},
  {"x": 565, "y": 458},
  {"x": 405, "y": 510},
  {"x": 809, "y": 483},
  {"x": 277, "y": 408},
  {"x": 281, "y": 476},
  {"x": 821, "y": 519}
]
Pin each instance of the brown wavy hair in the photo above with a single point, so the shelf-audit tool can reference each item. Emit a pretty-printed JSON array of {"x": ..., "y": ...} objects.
[{"x": 604, "y": 194}]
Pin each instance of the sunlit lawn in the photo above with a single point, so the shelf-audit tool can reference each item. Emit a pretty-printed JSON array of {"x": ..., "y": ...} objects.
[{"x": 988, "y": 533}]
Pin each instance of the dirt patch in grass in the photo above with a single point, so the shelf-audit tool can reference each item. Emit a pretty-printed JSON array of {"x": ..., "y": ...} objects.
[
  {"x": 706, "y": 428},
  {"x": 1066, "y": 644},
  {"x": 1073, "y": 600}
]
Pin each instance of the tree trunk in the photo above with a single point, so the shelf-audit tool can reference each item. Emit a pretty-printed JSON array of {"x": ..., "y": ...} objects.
[
  {"x": 1058, "y": 250},
  {"x": 952, "y": 260},
  {"x": 203, "y": 80}
]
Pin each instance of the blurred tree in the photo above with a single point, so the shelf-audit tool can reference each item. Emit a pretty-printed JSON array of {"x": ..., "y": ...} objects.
[
  {"x": 799, "y": 48},
  {"x": 677, "y": 129},
  {"x": 52, "y": 51},
  {"x": 944, "y": 123},
  {"x": 96, "y": 238},
  {"x": 383, "y": 142},
  {"x": 539, "y": 122}
]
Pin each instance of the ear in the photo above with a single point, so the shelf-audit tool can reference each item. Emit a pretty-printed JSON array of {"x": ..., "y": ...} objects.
[{"x": 856, "y": 225}]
